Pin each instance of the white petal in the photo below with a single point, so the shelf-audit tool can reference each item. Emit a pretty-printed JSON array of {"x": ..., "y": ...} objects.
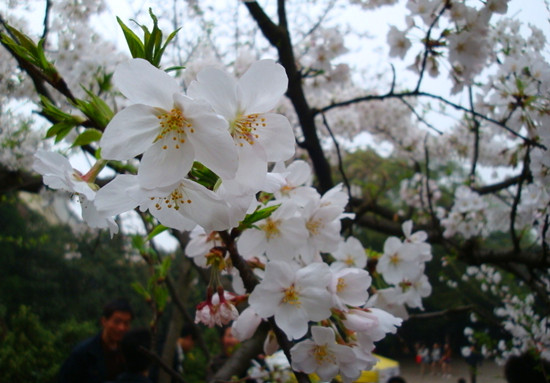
[
  {"x": 213, "y": 144},
  {"x": 246, "y": 324},
  {"x": 206, "y": 208},
  {"x": 51, "y": 163},
  {"x": 292, "y": 320},
  {"x": 163, "y": 164},
  {"x": 262, "y": 86},
  {"x": 115, "y": 197},
  {"x": 130, "y": 132},
  {"x": 277, "y": 137},
  {"x": 264, "y": 300},
  {"x": 218, "y": 88},
  {"x": 145, "y": 84}
]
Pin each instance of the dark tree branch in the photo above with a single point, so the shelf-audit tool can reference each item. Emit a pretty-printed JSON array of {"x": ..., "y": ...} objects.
[
  {"x": 46, "y": 21},
  {"x": 428, "y": 45},
  {"x": 239, "y": 362},
  {"x": 432, "y": 96},
  {"x": 498, "y": 186},
  {"x": 339, "y": 154},
  {"x": 442, "y": 313},
  {"x": 476, "y": 136}
]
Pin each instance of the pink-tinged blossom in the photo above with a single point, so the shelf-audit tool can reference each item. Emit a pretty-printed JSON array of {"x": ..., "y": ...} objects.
[
  {"x": 259, "y": 136},
  {"x": 216, "y": 311},
  {"x": 170, "y": 129},
  {"x": 293, "y": 296},
  {"x": 322, "y": 355}
]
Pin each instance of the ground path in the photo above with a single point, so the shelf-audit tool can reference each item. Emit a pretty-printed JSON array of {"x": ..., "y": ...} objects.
[{"x": 488, "y": 372}]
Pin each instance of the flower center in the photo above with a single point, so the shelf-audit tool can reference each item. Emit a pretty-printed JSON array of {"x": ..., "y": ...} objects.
[
  {"x": 405, "y": 285},
  {"x": 341, "y": 285},
  {"x": 349, "y": 260},
  {"x": 172, "y": 201},
  {"x": 291, "y": 296},
  {"x": 313, "y": 226},
  {"x": 243, "y": 128},
  {"x": 271, "y": 228},
  {"x": 322, "y": 354},
  {"x": 172, "y": 128},
  {"x": 394, "y": 259}
]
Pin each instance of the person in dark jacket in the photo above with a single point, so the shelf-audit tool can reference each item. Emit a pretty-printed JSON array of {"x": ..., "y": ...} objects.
[
  {"x": 99, "y": 358},
  {"x": 133, "y": 346}
]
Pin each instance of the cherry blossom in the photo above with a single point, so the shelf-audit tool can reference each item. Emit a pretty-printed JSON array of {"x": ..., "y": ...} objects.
[
  {"x": 170, "y": 129},
  {"x": 293, "y": 296}
]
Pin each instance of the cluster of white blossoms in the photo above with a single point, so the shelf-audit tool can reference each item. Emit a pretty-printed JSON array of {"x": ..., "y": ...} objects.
[
  {"x": 402, "y": 266},
  {"x": 224, "y": 125},
  {"x": 528, "y": 330},
  {"x": 467, "y": 216},
  {"x": 418, "y": 192},
  {"x": 326, "y": 307}
]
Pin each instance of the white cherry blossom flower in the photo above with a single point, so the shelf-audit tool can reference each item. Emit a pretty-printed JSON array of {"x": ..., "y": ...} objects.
[
  {"x": 293, "y": 296},
  {"x": 259, "y": 136},
  {"x": 279, "y": 236},
  {"x": 170, "y": 129},
  {"x": 397, "y": 263},
  {"x": 349, "y": 287},
  {"x": 58, "y": 173},
  {"x": 181, "y": 206},
  {"x": 321, "y": 354},
  {"x": 350, "y": 253}
]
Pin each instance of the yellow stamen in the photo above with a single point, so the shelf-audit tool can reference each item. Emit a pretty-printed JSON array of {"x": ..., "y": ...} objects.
[{"x": 291, "y": 296}]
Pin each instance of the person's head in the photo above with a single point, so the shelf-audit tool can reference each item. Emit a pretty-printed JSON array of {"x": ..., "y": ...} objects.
[
  {"x": 396, "y": 379},
  {"x": 115, "y": 321},
  {"x": 187, "y": 338},
  {"x": 229, "y": 341},
  {"x": 137, "y": 361},
  {"x": 461, "y": 380}
]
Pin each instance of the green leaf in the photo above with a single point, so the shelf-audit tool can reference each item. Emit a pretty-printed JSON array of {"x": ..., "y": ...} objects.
[
  {"x": 60, "y": 130},
  {"x": 96, "y": 109},
  {"x": 134, "y": 43},
  {"x": 141, "y": 290},
  {"x": 258, "y": 215},
  {"x": 87, "y": 137},
  {"x": 204, "y": 176},
  {"x": 173, "y": 68},
  {"x": 151, "y": 47},
  {"x": 156, "y": 231}
]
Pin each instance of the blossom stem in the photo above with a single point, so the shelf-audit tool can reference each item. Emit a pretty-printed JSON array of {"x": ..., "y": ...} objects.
[{"x": 94, "y": 171}]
